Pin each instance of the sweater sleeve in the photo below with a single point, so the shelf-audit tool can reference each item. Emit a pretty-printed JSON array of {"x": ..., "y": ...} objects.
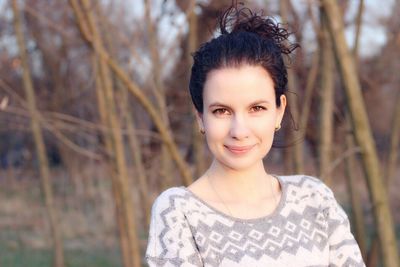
[
  {"x": 343, "y": 248},
  {"x": 170, "y": 242}
]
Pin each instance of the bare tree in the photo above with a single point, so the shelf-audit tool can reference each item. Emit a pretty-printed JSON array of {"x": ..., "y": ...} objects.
[
  {"x": 297, "y": 153},
  {"x": 121, "y": 185},
  {"x": 165, "y": 132},
  {"x": 394, "y": 143},
  {"x": 363, "y": 135},
  {"x": 192, "y": 43},
  {"x": 127, "y": 119},
  {"x": 158, "y": 91},
  {"x": 39, "y": 142},
  {"x": 327, "y": 101},
  {"x": 350, "y": 163}
]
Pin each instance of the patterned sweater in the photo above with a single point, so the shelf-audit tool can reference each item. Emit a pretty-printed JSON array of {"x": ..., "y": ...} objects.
[{"x": 308, "y": 228}]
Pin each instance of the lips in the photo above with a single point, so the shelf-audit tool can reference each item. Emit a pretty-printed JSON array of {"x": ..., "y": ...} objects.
[{"x": 239, "y": 149}]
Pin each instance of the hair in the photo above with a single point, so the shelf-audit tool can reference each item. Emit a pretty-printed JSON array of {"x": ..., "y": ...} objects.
[{"x": 246, "y": 38}]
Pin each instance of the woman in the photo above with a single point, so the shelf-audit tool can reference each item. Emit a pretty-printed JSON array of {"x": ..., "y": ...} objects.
[{"x": 237, "y": 214}]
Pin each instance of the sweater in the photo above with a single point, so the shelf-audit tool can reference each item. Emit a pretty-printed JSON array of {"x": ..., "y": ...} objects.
[{"x": 307, "y": 228}]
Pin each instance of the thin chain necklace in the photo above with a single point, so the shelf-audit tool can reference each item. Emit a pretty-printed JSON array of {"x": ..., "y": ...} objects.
[
  {"x": 223, "y": 202},
  {"x": 216, "y": 193}
]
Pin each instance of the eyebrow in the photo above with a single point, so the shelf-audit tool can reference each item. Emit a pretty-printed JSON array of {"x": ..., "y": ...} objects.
[{"x": 257, "y": 102}]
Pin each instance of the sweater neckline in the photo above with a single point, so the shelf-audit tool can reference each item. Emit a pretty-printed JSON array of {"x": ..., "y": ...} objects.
[{"x": 276, "y": 211}]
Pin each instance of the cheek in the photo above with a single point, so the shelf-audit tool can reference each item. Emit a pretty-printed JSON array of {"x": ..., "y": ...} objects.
[
  {"x": 265, "y": 126},
  {"x": 216, "y": 129}
]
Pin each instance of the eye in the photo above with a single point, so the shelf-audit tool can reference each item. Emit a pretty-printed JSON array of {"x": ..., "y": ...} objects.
[
  {"x": 258, "y": 108},
  {"x": 221, "y": 111}
]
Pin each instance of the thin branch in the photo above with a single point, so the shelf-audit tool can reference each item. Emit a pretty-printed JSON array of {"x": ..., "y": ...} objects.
[
  {"x": 56, "y": 132},
  {"x": 164, "y": 130},
  {"x": 51, "y": 24},
  {"x": 349, "y": 152},
  {"x": 360, "y": 13},
  {"x": 55, "y": 117},
  {"x": 311, "y": 79}
]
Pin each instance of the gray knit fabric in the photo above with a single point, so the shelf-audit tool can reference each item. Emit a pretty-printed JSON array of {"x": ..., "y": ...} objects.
[{"x": 308, "y": 228}]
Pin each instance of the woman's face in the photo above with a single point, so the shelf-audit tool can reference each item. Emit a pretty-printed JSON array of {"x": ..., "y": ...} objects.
[{"x": 240, "y": 115}]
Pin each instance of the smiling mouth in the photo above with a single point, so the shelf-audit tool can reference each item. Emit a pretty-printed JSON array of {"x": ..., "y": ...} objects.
[{"x": 238, "y": 150}]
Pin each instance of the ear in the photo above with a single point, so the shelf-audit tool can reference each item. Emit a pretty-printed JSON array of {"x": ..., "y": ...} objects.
[
  {"x": 281, "y": 109},
  {"x": 199, "y": 119}
]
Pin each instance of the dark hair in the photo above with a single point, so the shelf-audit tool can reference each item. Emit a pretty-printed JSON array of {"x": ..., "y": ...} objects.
[{"x": 246, "y": 38}]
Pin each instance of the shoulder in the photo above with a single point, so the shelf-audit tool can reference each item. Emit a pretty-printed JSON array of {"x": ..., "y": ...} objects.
[
  {"x": 307, "y": 190},
  {"x": 301, "y": 180},
  {"x": 171, "y": 193},
  {"x": 307, "y": 183},
  {"x": 171, "y": 198}
]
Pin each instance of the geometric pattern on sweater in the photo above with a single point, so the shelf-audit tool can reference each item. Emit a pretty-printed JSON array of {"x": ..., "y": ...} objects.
[
  {"x": 308, "y": 228},
  {"x": 239, "y": 239}
]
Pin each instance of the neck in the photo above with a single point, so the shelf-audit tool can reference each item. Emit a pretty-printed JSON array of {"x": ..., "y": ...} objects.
[{"x": 237, "y": 185}]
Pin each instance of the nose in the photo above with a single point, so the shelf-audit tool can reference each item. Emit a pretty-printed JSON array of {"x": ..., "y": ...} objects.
[{"x": 239, "y": 128}]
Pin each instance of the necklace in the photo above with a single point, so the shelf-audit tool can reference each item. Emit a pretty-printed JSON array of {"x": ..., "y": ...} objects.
[
  {"x": 218, "y": 196},
  {"x": 223, "y": 202}
]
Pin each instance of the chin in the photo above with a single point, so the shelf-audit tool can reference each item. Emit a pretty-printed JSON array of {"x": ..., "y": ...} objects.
[{"x": 239, "y": 164}]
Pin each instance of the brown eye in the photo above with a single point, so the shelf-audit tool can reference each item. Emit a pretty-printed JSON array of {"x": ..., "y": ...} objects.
[
  {"x": 258, "y": 108},
  {"x": 221, "y": 111}
]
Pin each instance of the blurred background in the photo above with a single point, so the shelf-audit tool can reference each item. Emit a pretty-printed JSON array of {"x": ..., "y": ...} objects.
[{"x": 96, "y": 119}]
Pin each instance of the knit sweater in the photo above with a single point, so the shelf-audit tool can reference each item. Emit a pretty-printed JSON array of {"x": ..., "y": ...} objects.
[{"x": 308, "y": 228}]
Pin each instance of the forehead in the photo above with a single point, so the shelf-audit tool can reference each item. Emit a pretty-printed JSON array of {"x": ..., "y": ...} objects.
[{"x": 238, "y": 85}]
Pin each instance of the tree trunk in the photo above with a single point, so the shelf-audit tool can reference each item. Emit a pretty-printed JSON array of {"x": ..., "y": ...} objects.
[
  {"x": 136, "y": 151},
  {"x": 350, "y": 164},
  {"x": 39, "y": 142},
  {"x": 159, "y": 93},
  {"x": 373, "y": 254},
  {"x": 164, "y": 131},
  {"x": 134, "y": 144},
  {"x": 123, "y": 236},
  {"x": 292, "y": 101},
  {"x": 198, "y": 141},
  {"x": 391, "y": 166},
  {"x": 121, "y": 189},
  {"x": 311, "y": 78},
  {"x": 122, "y": 184},
  {"x": 358, "y": 30},
  {"x": 394, "y": 143},
  {"x": 363, "y": 135},
  {"x": 326, "y": 103},
  {"x": 357, "y": 213}
]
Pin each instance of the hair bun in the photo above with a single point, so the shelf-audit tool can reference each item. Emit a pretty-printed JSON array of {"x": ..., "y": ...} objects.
[{"x": 238, "y": 18}]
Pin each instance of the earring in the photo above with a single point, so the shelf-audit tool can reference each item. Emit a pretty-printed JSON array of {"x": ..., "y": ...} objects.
[
  {"x": 277, "y": 128},
  {"x": 202, "y": 131}
]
